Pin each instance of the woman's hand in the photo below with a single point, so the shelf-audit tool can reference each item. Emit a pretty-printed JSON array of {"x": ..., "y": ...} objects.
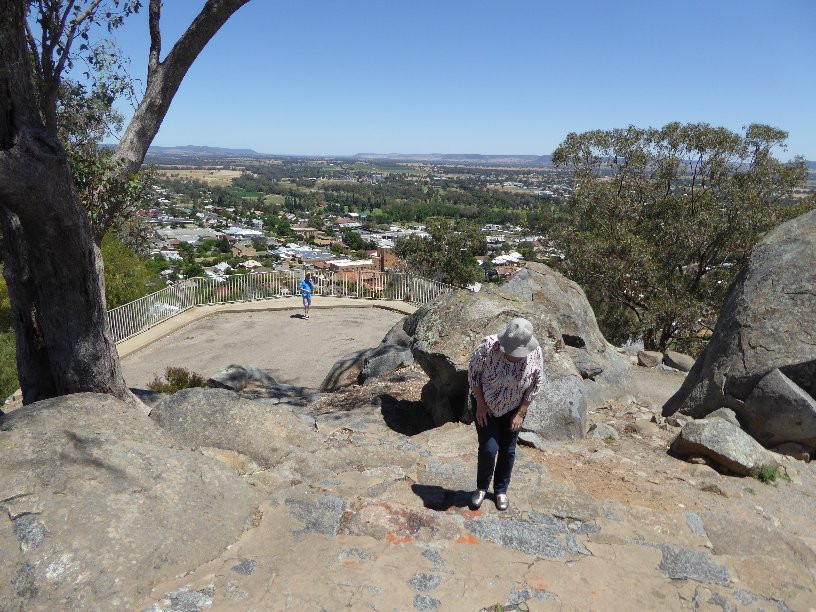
[
  {"x": 481, "y": 413},
  {"x": 515, "y": 423}
]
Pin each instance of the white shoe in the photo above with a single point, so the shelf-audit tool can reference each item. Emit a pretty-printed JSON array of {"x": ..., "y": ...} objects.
[
  {"x": 501, "y": 501},
  {"x": 477, "y": 498}
]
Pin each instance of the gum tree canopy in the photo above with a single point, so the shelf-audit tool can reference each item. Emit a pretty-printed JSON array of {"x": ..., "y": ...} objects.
[
  {"x": 660, "y": 221},
  {"x": 52, "y": 264}
]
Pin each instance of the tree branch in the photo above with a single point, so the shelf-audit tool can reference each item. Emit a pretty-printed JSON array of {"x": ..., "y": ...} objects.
[
  {"x": 165, "y": 81},
  {"x": 32, "y": 47},
  {"x": 69, "y": 39},
  {"x": 67, "y": 12},
  {"x": 155, "y": 37}
]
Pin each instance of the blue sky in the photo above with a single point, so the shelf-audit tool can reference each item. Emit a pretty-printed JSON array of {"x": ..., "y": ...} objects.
[{"x": 331, "y": 77}]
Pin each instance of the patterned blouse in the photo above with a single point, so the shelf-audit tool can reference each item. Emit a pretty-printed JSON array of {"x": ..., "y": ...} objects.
[{"x": 504, "y": 383}]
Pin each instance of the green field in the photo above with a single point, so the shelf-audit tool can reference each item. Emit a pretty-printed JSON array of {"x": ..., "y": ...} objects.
[{"x": 274, "y": 199}]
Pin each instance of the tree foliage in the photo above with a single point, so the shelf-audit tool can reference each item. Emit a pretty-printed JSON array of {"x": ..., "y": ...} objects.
[
  {"x": 660, "y": 220},
  {"x": 127, "y": 276},
  {"x": 447, "y": 254}
]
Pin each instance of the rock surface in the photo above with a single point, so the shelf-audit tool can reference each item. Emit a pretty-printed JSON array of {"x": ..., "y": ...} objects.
[
  {"x": 766, "y": 323},
  {"x": 98, "y": 506},
  {"x": 724, "y": 413},
  {"x": 367, "y": 513},
  {"x": 779, "y": 411},
  {"x": 346, "y": 371},
  {"x": 446, "y": 332},
  {"x": 678, "y": 361},
  {"x": 254, "y": 383},
  {"x": 603, "y": 431},
  {"x": 724, "y": 443},
  {"x": 217, "y": 418},
  {"x": 649, "y": 359},
  {"x": 396, "y": 335},
  {"x": 385, "y": 359},
  {"x": 565, "y": 301},
  {"x": 358, "y": 367}
]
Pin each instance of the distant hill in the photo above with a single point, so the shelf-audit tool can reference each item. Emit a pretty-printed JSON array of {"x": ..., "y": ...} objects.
[
  {"x": 460, "y": 158},
  {"x": 194, "y": 151}
]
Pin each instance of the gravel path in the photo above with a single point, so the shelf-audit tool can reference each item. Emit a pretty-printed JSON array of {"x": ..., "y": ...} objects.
[{"x": 294, "y": 350}]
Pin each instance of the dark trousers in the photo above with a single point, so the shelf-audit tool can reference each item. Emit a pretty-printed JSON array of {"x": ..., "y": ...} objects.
[{"x": 497, "y": 449}]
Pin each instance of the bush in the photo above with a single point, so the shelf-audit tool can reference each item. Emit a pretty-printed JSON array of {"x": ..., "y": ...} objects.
[
  {"x": 176, "y": 380},
  {"x": 769, "y": 474}
]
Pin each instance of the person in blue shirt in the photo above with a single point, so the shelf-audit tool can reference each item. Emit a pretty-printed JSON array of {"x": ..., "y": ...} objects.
[{"x": 306, "y": 290}]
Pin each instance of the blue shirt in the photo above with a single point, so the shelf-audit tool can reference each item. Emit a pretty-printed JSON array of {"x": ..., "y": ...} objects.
[{"x": 306, "y": 288}]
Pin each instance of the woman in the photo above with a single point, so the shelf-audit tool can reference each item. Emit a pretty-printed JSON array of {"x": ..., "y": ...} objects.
[
  {"x": 306, "y": 290},
  {"x": 505, "y": 377}
]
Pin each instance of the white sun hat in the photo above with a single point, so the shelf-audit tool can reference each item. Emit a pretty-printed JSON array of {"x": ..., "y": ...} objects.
[{"x": 517, "y": 340}]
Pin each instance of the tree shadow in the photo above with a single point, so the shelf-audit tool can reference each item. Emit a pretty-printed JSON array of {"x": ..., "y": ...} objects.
[
  {"x": 352, "y": 362},
  {"x": 439, "y": 498},
  {"x": 80, "y": 451},
  {"x": 402, "y": 416}
]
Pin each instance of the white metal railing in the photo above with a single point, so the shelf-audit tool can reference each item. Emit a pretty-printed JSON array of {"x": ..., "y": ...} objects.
[{"x": 135, "y": 317}]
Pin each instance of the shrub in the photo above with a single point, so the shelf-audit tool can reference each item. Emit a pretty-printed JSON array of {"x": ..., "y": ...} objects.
[
  {"x": 769, "y": 474},
  {"x": 177, "y": 379}
]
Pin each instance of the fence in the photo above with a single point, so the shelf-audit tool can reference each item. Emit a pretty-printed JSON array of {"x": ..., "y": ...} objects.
[{"x": 135, "y": 317}]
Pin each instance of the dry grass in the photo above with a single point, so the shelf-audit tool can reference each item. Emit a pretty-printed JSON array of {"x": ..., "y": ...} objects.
[{"x": 211, "y": 176}]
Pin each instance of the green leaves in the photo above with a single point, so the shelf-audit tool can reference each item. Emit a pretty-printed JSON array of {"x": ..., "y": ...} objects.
[
  {"x": 127, "y": 276},
  {"x": 660, "y": 220},
  {"x": 448, "y": 254}
]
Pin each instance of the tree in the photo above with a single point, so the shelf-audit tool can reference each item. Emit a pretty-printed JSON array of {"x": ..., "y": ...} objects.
[
  {"x": 127, "y": 276},
  {"x": 53, "y": 266},
  {"x": 447, "y": 254},
  {"x": 354, "y": 241},
  {"x": 660, "y": 220}
]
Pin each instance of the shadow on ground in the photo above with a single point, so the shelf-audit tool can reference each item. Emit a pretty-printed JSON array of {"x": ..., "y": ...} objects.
[
  {"x": 440, "y": 498},
  {"x": 407, "y": 418}
]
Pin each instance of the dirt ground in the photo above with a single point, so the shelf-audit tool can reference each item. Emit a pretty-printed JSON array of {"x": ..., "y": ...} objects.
[{"x": 293, "y": 350}]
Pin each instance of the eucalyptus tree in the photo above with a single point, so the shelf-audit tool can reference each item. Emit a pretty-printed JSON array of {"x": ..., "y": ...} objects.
[
  {"x": 660, "y": 221},
  {"x": 53, "y": 266},
  {"x": 447, "y": 253}
]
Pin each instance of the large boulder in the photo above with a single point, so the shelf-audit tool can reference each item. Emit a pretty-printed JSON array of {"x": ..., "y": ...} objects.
[
  {"x": 725, "y": 444},
  {"x": 606, "y": 371},
  {"x": 445, "y": 334},
  {"x": 766, "y": 323},
  {"x": 98, "y": 507},
  {"x": 357, "y": 367},
  {"x": 346, "y": 370},
  {"x": 220, "y": 419},
  {"x": 396, "y": 335},
  {"x": 779, "y": 411},
  {"x": 385, "y": 359},
  {"x": 678, "y": 361}
]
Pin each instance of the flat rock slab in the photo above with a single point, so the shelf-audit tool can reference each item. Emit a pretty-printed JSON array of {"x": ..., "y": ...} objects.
[
  {"x": 292, "y": 350},
  {"x": 217, "y": 418}
]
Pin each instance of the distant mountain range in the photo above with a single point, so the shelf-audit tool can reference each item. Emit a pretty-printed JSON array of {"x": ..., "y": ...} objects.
[
  {"x": 194, "y": 150},
  {"x": 527, "y": 161},
  {"x": 460, "y": 158}
]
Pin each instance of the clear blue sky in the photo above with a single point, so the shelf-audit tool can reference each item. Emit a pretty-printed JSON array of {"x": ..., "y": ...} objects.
[{"x": 478, "y": 76}]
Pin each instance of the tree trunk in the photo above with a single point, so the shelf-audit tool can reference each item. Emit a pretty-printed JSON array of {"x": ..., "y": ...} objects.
[{"x": 52, "y": 266}]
